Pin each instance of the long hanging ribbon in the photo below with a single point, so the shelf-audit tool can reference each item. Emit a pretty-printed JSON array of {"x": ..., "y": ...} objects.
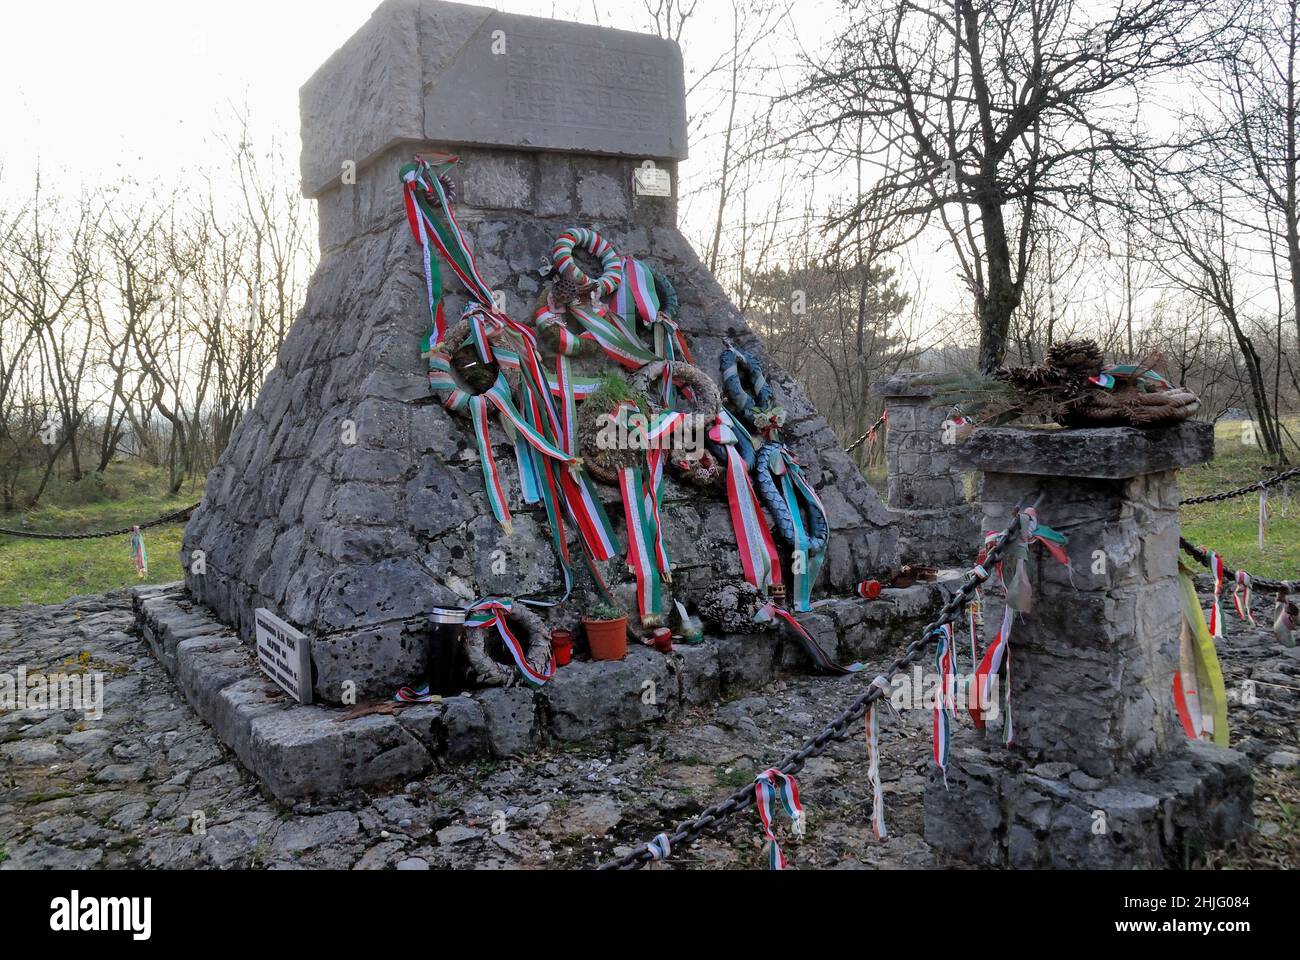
[
  {"x": 770, "y": 613},
  {"x": 797, "y": 493},
  {"x": 478, "y": 408},
  {"x": 1241, "y": 597},
  {"x": 138, "y": 554},
  {"x": 768, "y": 786},
  {"x": 641, "y": 545},
  {"x": 945, "y": 697},
  {"x": 494, "y": 611},
  {"x": 1199, "y": 694},
  {"x": 758, "y": 556},
  {"x": 434, "y": 226},
  {"x": 1015, "y": 569},
  {"x": 1216, "y": 610},
  {"x": 1263, "y": 515},
  {"x": 873, "y": 774}
]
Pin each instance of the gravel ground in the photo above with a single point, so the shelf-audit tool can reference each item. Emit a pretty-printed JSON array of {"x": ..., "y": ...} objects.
[{"x": 148, "y": 785}]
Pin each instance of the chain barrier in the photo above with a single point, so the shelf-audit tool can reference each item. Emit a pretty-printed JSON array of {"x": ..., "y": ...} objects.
[
  {"x": 688, "y": 830},
  {"x": 1203, "y": 558},
  {"x": 182, "y": 514},
  {"x": 1242, "y": 491},
  {"x": 863, "y": 439}
]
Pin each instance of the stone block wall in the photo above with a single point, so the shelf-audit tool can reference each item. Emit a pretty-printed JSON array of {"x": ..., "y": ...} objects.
[{"x": 926, "y": 489}]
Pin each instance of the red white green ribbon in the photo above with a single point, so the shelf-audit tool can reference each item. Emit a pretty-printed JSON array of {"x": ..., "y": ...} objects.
[
  {"x": 1241, "y": 597},
  {"x": 494, "y": 611},
  {"x": 1015, "y": 570},
  {"x": 873, "y": 774},
  {"x": 770, "y": 613},
  {"x": 945, "y": 697},
  {"x": 420, "y": 694},
  {"x": 623, "y": 346},
  {"x": 641, "y": 539},
  {"x": 1216, "y": 611},
  {"x": 434, "y": 226},
  {"x": 591, "y": 241},
  {"x": 758, "y": 556},
  {"x": 138, "y": 554},
  {"x": 768, "y": 787}
]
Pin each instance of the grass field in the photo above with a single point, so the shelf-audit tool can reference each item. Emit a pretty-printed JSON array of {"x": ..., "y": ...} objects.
[
  {"x": 1231, "y": 526},
  {"x": 47, "y": 571}
]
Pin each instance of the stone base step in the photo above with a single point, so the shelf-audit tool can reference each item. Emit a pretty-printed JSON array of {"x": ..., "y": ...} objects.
[{"x": 303, "y": 752}]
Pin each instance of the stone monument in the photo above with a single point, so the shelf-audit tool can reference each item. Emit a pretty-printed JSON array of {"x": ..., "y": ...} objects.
[
  {"x": 349, "y": 502},
  {"x": 1100, "y": 773}
]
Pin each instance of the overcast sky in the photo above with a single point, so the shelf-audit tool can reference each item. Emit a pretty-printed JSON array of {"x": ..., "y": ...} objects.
[{"x": 139, "y": 88}]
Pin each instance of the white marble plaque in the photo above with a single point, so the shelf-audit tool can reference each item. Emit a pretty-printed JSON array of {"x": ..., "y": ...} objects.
[
  {"x": 651, "y": 181},
  {"x": 284, "y": 654}
]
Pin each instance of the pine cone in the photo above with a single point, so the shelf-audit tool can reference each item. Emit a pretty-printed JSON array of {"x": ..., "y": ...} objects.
[
  {"x": 1028, "y": 378},
  {"x": 564, "y": 290},
  {"x": 448, "y": 188},
  {"x": 1075, "y": 359}
]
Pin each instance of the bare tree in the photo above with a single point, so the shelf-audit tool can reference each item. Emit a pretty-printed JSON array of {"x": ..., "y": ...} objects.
[{"x": 987, "y": 114}]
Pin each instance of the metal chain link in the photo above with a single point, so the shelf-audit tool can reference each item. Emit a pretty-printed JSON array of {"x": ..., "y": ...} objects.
[
  {"x": 182, "y": 514},
  {"x": 688, "y": 830},
  {"x": 1203, "y": 558},
  {"x": 862, "y": 439},
  {"x": 1242, "y": 491}
]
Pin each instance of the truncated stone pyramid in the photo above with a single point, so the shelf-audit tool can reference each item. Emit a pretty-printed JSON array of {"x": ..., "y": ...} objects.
[{"x": 350, "y": 501}]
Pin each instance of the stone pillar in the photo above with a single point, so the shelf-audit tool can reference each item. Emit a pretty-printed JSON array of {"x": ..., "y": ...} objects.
[
  {"x": 1100, "y": 774},
  {"x": 926, "y": 490}
]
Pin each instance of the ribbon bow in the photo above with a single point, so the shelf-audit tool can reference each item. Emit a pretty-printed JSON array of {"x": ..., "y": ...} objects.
[
  {"x": 768, "y": 785},
  {"x": 494, "y": 611},
  {"x": 1241, "y": 597}
]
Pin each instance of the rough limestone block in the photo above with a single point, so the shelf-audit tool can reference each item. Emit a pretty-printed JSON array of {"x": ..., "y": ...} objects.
[
  {"x": 699, "y": 671},
  {"x": 306, "y": 752},
  {"x": 600, "y": 696},
  {"x": 464, "y": 732},
  {"x": 1100, "y": 452},
  {"x": 747, "y": 660},
  {"x": 511, "y": 717},
  {"x": 424, "y": 70}
]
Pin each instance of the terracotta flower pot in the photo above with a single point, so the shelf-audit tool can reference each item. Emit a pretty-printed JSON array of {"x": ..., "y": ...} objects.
[{"x": 607, "y": 638}]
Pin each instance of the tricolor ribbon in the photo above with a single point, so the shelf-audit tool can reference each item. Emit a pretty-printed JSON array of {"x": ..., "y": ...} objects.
[
  {"x": 1241, "y": 597},
  {"x": 758, "y": 556},
  {"x": 770, "y": 613},
  {"x": 873, "y": 774},
  {"x": 434, "y": 226},
  {"x": 768, "y": 786},
  {"x": 494, "y": 611},
  {"x": 945, "y": 697},
  {"x": 1216, "y": 610},
  {"x": 641, "y": 544},
  {"x": 1199, "y": 694},
  {"x": 138, "y": 554}
]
